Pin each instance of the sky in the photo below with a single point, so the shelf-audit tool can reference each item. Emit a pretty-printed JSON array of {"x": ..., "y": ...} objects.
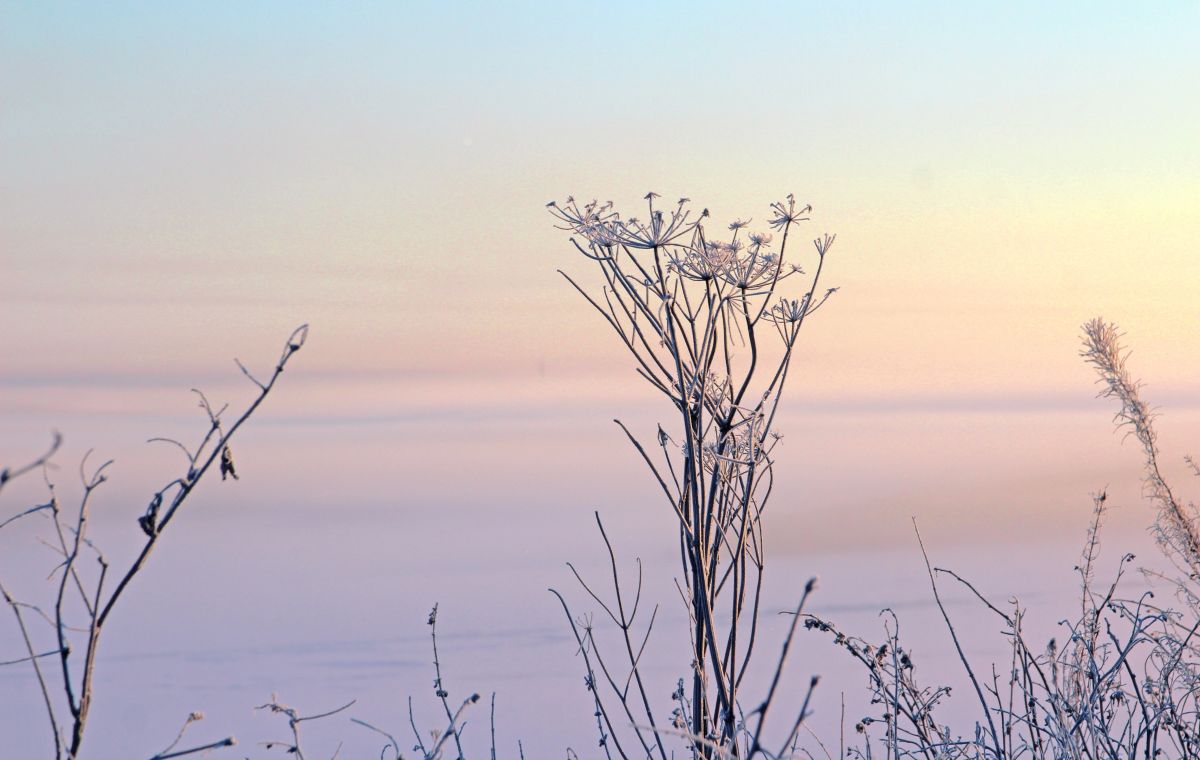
[
  {"x": 185, "y": 183},
  {"x": 177, "y": 175}
]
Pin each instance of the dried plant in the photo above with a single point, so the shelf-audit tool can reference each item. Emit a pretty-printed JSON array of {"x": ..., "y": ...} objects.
[
  {"x": 82, "y": 600},
  {"x": 1175, "y": 527},
  {"x": 1126, "y": 682},
  {"x": 692, "y": 310},
  {"x": 435, "y": 745},
  {"x": 292, "y": 746},
  {"x": 1123, "y": 685}
]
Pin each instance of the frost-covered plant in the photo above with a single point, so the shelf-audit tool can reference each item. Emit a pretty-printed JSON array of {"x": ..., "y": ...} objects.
[
  {"x": 1121, "y": 681},
  {"x": 694, "y": 308},
  {"x": 1175, "y": 526}
]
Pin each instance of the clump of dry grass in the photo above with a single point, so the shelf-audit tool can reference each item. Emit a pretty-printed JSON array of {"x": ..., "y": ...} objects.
[{"x": 1124, "y": 682}]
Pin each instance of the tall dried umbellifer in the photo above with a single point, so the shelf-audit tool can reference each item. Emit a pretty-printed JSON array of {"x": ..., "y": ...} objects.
[{"x": 704, "y": 318}]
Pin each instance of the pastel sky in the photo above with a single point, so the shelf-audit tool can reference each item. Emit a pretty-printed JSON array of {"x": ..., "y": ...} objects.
[{"x": 184, "y": 183}]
